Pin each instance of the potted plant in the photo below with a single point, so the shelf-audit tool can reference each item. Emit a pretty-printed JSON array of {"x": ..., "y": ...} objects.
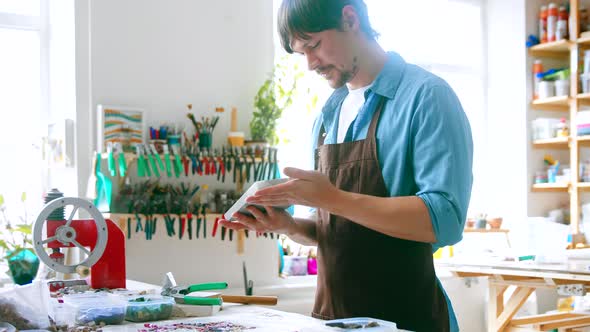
[
  {"x": 17, "y": 244},
  {"x": 274, "y": 96}
]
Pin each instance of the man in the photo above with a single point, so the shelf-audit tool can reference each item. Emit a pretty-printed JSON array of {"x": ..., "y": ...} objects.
[{"x": 393, "y": 173}]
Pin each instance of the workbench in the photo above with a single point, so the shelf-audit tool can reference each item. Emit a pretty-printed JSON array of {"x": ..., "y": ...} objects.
[
  {"x": 261, "y": 318},
  {"x": 526, "y": 277}
]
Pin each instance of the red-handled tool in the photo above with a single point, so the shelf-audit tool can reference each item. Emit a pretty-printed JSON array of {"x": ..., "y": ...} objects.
[{"x": 215, "y": 224}]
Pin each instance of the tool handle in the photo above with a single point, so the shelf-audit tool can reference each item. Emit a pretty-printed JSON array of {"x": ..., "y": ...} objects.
[
  {"x": 154, "y": 165},
  {"x": 245, "y": 299},
  {"x": 140, "y": 166},
  {"x": 178, "y": 168},
  {"x": 122, "y": 164},
  {"x": 202, "y": 300},
  {"x": 168, "y": 165},
  {"x": 206, "y": 286},
  {"x": 111, "y": 163}
]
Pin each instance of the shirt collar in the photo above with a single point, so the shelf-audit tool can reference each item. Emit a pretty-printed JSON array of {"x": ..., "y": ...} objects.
[
  {"x": 388, "y": 79},
  {"x": 385, "y": 84}
]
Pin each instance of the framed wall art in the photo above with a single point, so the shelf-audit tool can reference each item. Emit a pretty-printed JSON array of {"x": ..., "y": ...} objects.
[{"x": 120, "y": 124}]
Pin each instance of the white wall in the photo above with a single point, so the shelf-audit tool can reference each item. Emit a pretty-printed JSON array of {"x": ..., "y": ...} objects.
[
  {"x": 506, "y": 114},
  {"x": 161, "y": 55}
]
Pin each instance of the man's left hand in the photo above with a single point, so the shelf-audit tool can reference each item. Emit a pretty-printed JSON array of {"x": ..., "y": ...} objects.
[{"x": 308, "y": 188}]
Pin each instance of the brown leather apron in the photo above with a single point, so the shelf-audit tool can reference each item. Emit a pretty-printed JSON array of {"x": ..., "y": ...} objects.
[{"x": 364, "y": 273}]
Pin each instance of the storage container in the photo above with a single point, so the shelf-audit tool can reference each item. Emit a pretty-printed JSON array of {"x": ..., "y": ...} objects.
[
  {"x": 149, "y": 308},
  {"x": 562, "y": 87},
  {"x": 544, "y": 128},
  {"x": 98, "y": 308},
  {"x": 585, "y": 80}
]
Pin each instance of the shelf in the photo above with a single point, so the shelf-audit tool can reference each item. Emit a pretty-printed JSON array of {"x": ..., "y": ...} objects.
[
  {"x": 561, "y": 103},
  {"x": 584, "y": 98},
  {"x": 553, "y": 143},
  {"x": 558, "y": 49},
  {"x": 491, "y": 230},
  {"x": 584, "y": 41},
  {"x": 583, "y": 140},
  {"x": 549, "y": 187},
  {"x": 584, "y": 186}
]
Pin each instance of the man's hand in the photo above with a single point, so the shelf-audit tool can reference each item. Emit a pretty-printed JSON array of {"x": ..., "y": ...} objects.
[
  {"x": 308, "y": 188},
  {"x": 273, "y": 220}
]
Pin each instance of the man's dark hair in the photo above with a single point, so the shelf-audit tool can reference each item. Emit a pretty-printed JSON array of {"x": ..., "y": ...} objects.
[{"x": 298, "y": 18}]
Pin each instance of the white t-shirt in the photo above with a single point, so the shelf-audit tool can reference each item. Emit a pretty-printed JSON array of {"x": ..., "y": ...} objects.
[{"x": 350, "y": 108}]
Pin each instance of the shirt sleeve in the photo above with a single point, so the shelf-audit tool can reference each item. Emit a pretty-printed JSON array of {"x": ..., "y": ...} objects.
[{"x": 442, "y": 148}]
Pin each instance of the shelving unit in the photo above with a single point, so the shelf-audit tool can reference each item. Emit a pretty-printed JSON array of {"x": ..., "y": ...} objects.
[
  {"x": 566, "y": 50},
  {"x": 551, "y": 187},
  {"x": 552, "y": 143}
]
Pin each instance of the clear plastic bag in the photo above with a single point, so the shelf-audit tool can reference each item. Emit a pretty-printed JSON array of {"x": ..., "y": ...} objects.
[{"x": 25, "y": 307}]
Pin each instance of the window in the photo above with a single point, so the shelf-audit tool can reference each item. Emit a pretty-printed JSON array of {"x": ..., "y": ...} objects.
[
  {"x": 22, "y": 85},
  {"x": 447, "y": 38},
  {"x": 430, "y": 33}
]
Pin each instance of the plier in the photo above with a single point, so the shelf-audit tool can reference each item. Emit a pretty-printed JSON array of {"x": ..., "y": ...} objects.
[
  {"x": 181, "y": 293},
  {"x": 122, "y": 162}
]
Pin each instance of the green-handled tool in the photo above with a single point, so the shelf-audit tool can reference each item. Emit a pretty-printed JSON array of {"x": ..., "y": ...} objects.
[
  {"x": 122, "y": 161},
  {"x": 181, "y": 294},
  {"x": 140, "y": 161},
  {"x": 157, "y": 156},
  {"x": 168, "y": 161},
  {"x": 111, "y": 159},
  {"x": 153, "y": 161},
  {"x": 177, "y": 160}
]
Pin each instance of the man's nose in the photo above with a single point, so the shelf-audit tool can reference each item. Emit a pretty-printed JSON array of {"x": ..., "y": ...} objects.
[{"x": 312, "y": 61}]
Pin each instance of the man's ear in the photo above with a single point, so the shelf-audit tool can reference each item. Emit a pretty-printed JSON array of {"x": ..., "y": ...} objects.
[{"x": 349, "y": 18}]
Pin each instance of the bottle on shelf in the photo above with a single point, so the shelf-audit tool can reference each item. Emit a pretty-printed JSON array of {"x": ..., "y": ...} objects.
[
  {"x": 543, "y": 24},
  {"x": 562, "y": 128},
  {"x": 561, "y": 28},
  {"x": 552, "y": 14},
  {"x": 583, "y": 17},
  {"x": 537, "y": 77}
]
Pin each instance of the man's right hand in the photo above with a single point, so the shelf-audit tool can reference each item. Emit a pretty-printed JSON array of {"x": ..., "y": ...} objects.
[{"x": 273, "y": 220}]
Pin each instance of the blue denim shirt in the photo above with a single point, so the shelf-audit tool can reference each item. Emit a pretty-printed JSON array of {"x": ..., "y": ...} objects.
[{"x": 424, "y": 144}]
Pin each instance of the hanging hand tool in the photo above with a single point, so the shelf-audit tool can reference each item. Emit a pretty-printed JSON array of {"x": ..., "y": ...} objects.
[
  {"x": 194, "y": 162},
  {"x": 189, "y": 220},
  {"x": 111, "y": 159},
  {"x": 260, "y": 168},
  {"x": 141, "y": 162},
  {"x": 204, "y": 214},
  {"x": 177, "y": 160},
  {"x": 167, "y": 160},
  {"x": 265, "y": 158},
  {"x": 138, "y": 226},
  {"x": 252, "y": 166},
  {"x": 152, "y": 161},
  {"x": 272, "y": 160},
  {"x": 182, "y": 225},
  {"x": 157, "y": 157},
  {"x": 128, "y": 227},
  {"x": 215, "y": 225},
  {"x": 205, "y": 161},
  {"x": 185, "y": 160},
  {"x": 200, "y": 163},
  {"x": 198, "y": 226},
  {"x": 170, "y": 225},
  {"x": 214, "y": 167},
  {"x": 122, "y": 161}
]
